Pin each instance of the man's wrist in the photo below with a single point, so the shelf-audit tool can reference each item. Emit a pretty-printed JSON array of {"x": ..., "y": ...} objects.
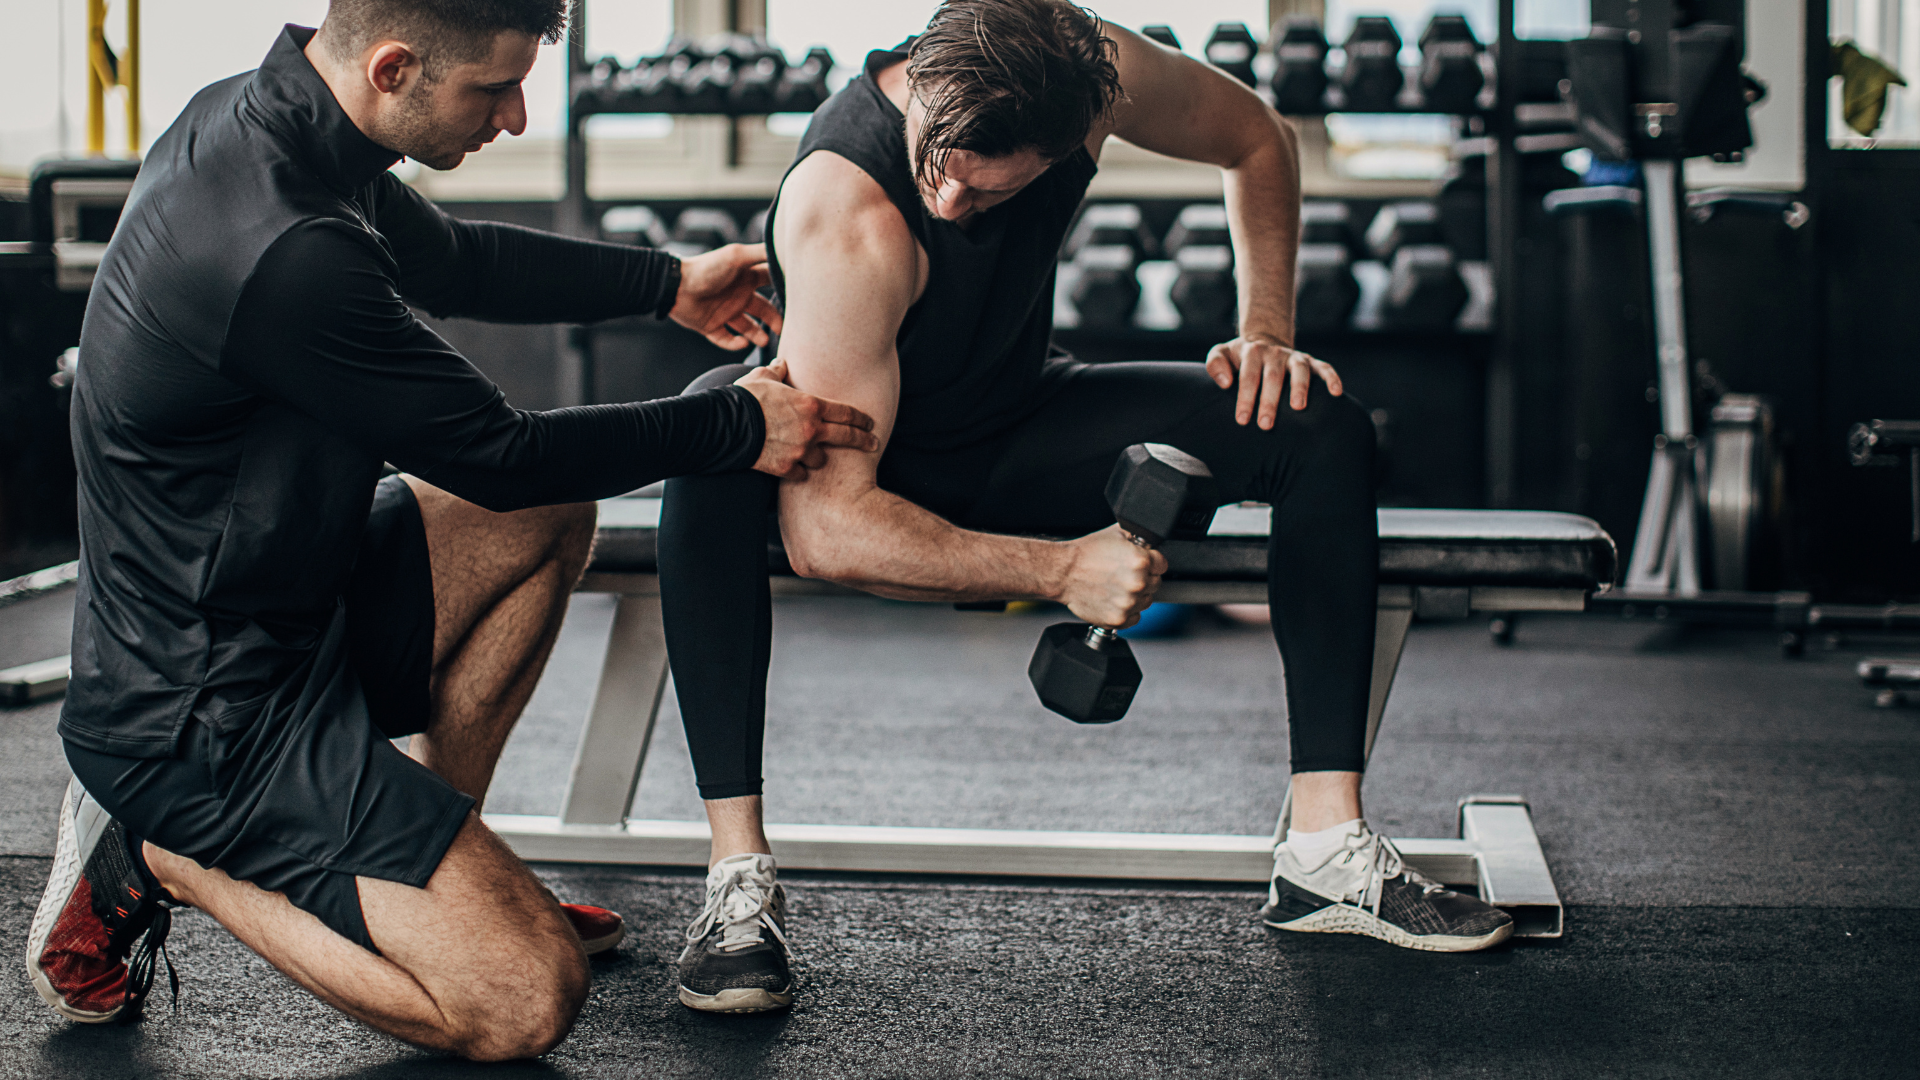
[{"x": 670, "y": 289}]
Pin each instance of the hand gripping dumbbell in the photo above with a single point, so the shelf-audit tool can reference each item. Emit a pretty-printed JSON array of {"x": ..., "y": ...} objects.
[{"x": 1087, "y": 673}]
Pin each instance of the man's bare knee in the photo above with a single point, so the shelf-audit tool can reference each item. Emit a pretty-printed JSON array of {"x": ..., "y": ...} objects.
[{"x": 529, "y": 1024}]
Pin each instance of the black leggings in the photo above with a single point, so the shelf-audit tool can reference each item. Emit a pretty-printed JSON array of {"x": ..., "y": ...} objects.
[{"x": 1047, "y": 474}]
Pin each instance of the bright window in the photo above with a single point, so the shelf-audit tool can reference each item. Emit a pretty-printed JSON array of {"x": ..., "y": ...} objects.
[{"x": 1192, "y": 22}]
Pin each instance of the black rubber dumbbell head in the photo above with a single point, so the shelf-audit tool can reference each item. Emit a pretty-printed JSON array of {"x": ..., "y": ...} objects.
[
  {"x": 1372, "y": 78},
  {"x": 1325, "y": 221},
  {"x": 1450, "y": 75},
  {"x": 1425, "y": 290},
  {"x": 1400, "y": 224},
  {"x": 1198, "y": 225},
  {"x": 1086, "y": 681},
  {"x": 1159, "y": 493},
  {"x": 634, "y": 225},
  {"x": 700, "y": 229},
  {"x": 1300, "y": 66},
  {"x": 1162, "y": 34},
  {"x": 1325, "y": 290},
  {"x": 1106, "y": 286},
  {"x": 1203, "y": 289},
  {"x": 1106, "y": 224},
  {"x": 1231, "y": 49},
  {"x": 803, "y": 87}
]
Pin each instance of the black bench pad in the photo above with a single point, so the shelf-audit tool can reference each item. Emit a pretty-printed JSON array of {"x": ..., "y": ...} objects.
[{"x": 1515, "y": 548}]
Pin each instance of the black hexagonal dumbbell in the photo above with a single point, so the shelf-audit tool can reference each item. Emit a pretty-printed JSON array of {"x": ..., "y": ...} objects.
[
  {"x": 1325, "y": 290},
  {"x": 1450, "y": 75},
  {"x": 1300, "y": 66},
  {"x": 700, "y": 229},
  {"x": 1087, "y": 673},
  {"x": 1163, "y": 34},
  {"x": 1201, "y": 247},
  {"x": 1425, "y": 291},
  {"x": 1372, "y": 78},
  {"x": 1106, "y": 286},
  {"x": 1231, "y": 49},
  {"x": 803, "y": 86}
]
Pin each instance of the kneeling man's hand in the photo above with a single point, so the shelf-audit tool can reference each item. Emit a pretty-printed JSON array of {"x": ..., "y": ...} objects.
[
  {"x": 1112, "y": 579},
  {"x": 800, "y": 426},
  {"x": 1264, "y": 367},
  {"x": 719, "y": 296}
]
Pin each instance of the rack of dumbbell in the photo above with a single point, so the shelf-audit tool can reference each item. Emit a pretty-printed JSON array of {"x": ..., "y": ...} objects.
[
  {"x": 725, "y": 75},
  {"x": 1146, "y": 275},
  {"x": 1138, "y": 277}
]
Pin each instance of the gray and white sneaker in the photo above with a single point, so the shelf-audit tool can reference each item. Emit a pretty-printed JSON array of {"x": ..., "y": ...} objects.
[
  {"x": 736, "y": 959},
  {"x": 1365, "y": 887}
]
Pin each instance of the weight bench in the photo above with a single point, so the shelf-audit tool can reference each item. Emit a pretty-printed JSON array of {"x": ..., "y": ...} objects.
[{"x": 1433, "y": 563}]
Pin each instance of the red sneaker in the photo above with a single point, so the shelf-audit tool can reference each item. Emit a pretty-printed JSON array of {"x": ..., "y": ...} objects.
[
  {"x": 599, "y": 929},
  {"x": 102, "y": 921}
]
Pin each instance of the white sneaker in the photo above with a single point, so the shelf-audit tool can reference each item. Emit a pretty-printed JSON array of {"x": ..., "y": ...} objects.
[
  {"x": 736, "y": 959},
  {"x": 1365, "y": 887}
]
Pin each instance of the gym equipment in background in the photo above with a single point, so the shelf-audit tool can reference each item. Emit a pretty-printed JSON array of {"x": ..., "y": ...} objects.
[
  {"x": 1425, "y": 291},
  {"x": 1372, "y": 79},
  {"x": 1878, "y": 442},
  {"x": 1111, "y": 223},
  {"x": 1659, "y": 93},
  {"x": 1106, "y": 286},
  {"x": 1163, "y": 34},
  {"x": 1158, "y": 493},
  {"x": 1231, "y": 49},
  {"x": 732, "y": 74},
  {"x": 1299, "y": 81},
  {"x": 1450, "y": 75},
  {"x": 700, "y": 229}
]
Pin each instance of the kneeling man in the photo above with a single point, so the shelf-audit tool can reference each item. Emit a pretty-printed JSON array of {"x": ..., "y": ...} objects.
[
  {"x": 914, "y": 244},
  {"x": 260, "y": 612}
]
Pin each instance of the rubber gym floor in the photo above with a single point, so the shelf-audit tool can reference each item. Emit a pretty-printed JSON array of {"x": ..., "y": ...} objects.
[{"x": 1734, "y": 834}]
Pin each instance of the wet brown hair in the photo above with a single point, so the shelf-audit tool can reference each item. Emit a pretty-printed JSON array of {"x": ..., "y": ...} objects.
[{"x": 1000, "y": 76}]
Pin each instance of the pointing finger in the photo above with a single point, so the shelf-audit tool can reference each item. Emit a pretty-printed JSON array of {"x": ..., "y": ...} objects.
[{"x": 835, "y": 412}]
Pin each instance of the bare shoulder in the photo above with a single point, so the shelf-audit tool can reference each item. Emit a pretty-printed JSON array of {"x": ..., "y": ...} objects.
[{"x": 829, "y": 205}]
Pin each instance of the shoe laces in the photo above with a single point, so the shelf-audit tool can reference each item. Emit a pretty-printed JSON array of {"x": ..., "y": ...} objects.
[
  {"x": 1379, "y": 862},
  {"x": 740, "y": 903},
  {"x": 143, "y": 961}
]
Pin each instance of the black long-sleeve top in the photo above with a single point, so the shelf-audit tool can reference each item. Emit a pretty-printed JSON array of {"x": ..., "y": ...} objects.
[{"x": 249, "y": 360}]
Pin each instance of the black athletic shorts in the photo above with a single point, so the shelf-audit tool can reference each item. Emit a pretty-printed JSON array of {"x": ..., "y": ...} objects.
[{"x": 310, "y": 792}]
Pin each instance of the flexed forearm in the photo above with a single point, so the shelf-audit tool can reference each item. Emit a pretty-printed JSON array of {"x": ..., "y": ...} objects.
[{"x": 874, "y": 540}]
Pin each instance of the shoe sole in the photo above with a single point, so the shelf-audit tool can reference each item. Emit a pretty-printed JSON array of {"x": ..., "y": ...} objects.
[
  {"x": 79, "y": 831},
  {"x": 1347, "y": 919},
  {"x": 746, "y": 1000}
]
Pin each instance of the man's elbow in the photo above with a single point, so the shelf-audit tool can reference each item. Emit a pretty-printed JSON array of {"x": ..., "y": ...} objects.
[{"x": 815, "y": 549}]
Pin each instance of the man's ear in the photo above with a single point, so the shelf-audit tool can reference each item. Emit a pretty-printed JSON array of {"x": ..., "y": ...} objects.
[{"x": 392, "y": 67}]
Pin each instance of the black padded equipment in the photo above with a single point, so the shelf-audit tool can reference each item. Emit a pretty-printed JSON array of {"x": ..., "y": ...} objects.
[{"x": 1531, "y": 549}]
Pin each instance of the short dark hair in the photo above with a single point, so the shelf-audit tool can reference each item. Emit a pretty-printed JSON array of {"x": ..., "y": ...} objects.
[
  {"x": 1000, "y": 76},
  {"x": 442, "y": 32}
]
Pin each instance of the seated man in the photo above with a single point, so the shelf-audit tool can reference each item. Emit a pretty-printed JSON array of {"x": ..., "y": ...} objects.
[
  {"x": 914, "y": 243},
  {"x": 259, "y": 612}
]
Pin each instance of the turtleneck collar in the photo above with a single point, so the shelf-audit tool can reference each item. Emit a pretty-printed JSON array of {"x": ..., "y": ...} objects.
[{"x": 297, "y": 103}]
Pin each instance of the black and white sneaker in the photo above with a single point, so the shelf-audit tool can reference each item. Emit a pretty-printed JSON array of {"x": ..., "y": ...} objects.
[
  {"x": 1365, "y": 887},
  {"x": 736, "y": 959}
]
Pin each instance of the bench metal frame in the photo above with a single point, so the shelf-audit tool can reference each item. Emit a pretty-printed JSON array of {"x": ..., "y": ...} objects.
[{"x": 1497, "y": 851}]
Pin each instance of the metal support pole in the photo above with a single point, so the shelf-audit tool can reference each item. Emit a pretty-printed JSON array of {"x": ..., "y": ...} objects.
[
  {"x": 130, "y": 77},
  {"x": 1503, "y": 247},
  {"x": 99, "y": 77},
  {"x": 1666, "y": 545},
  {"x": 573, "y": 359}
]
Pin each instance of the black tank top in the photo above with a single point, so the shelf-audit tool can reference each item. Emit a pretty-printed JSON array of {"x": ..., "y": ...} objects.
[{"x": 974, "y": 350}]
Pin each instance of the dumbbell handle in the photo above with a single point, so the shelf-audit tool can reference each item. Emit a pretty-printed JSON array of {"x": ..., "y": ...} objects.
[{"x": 1099, "y": 636}]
